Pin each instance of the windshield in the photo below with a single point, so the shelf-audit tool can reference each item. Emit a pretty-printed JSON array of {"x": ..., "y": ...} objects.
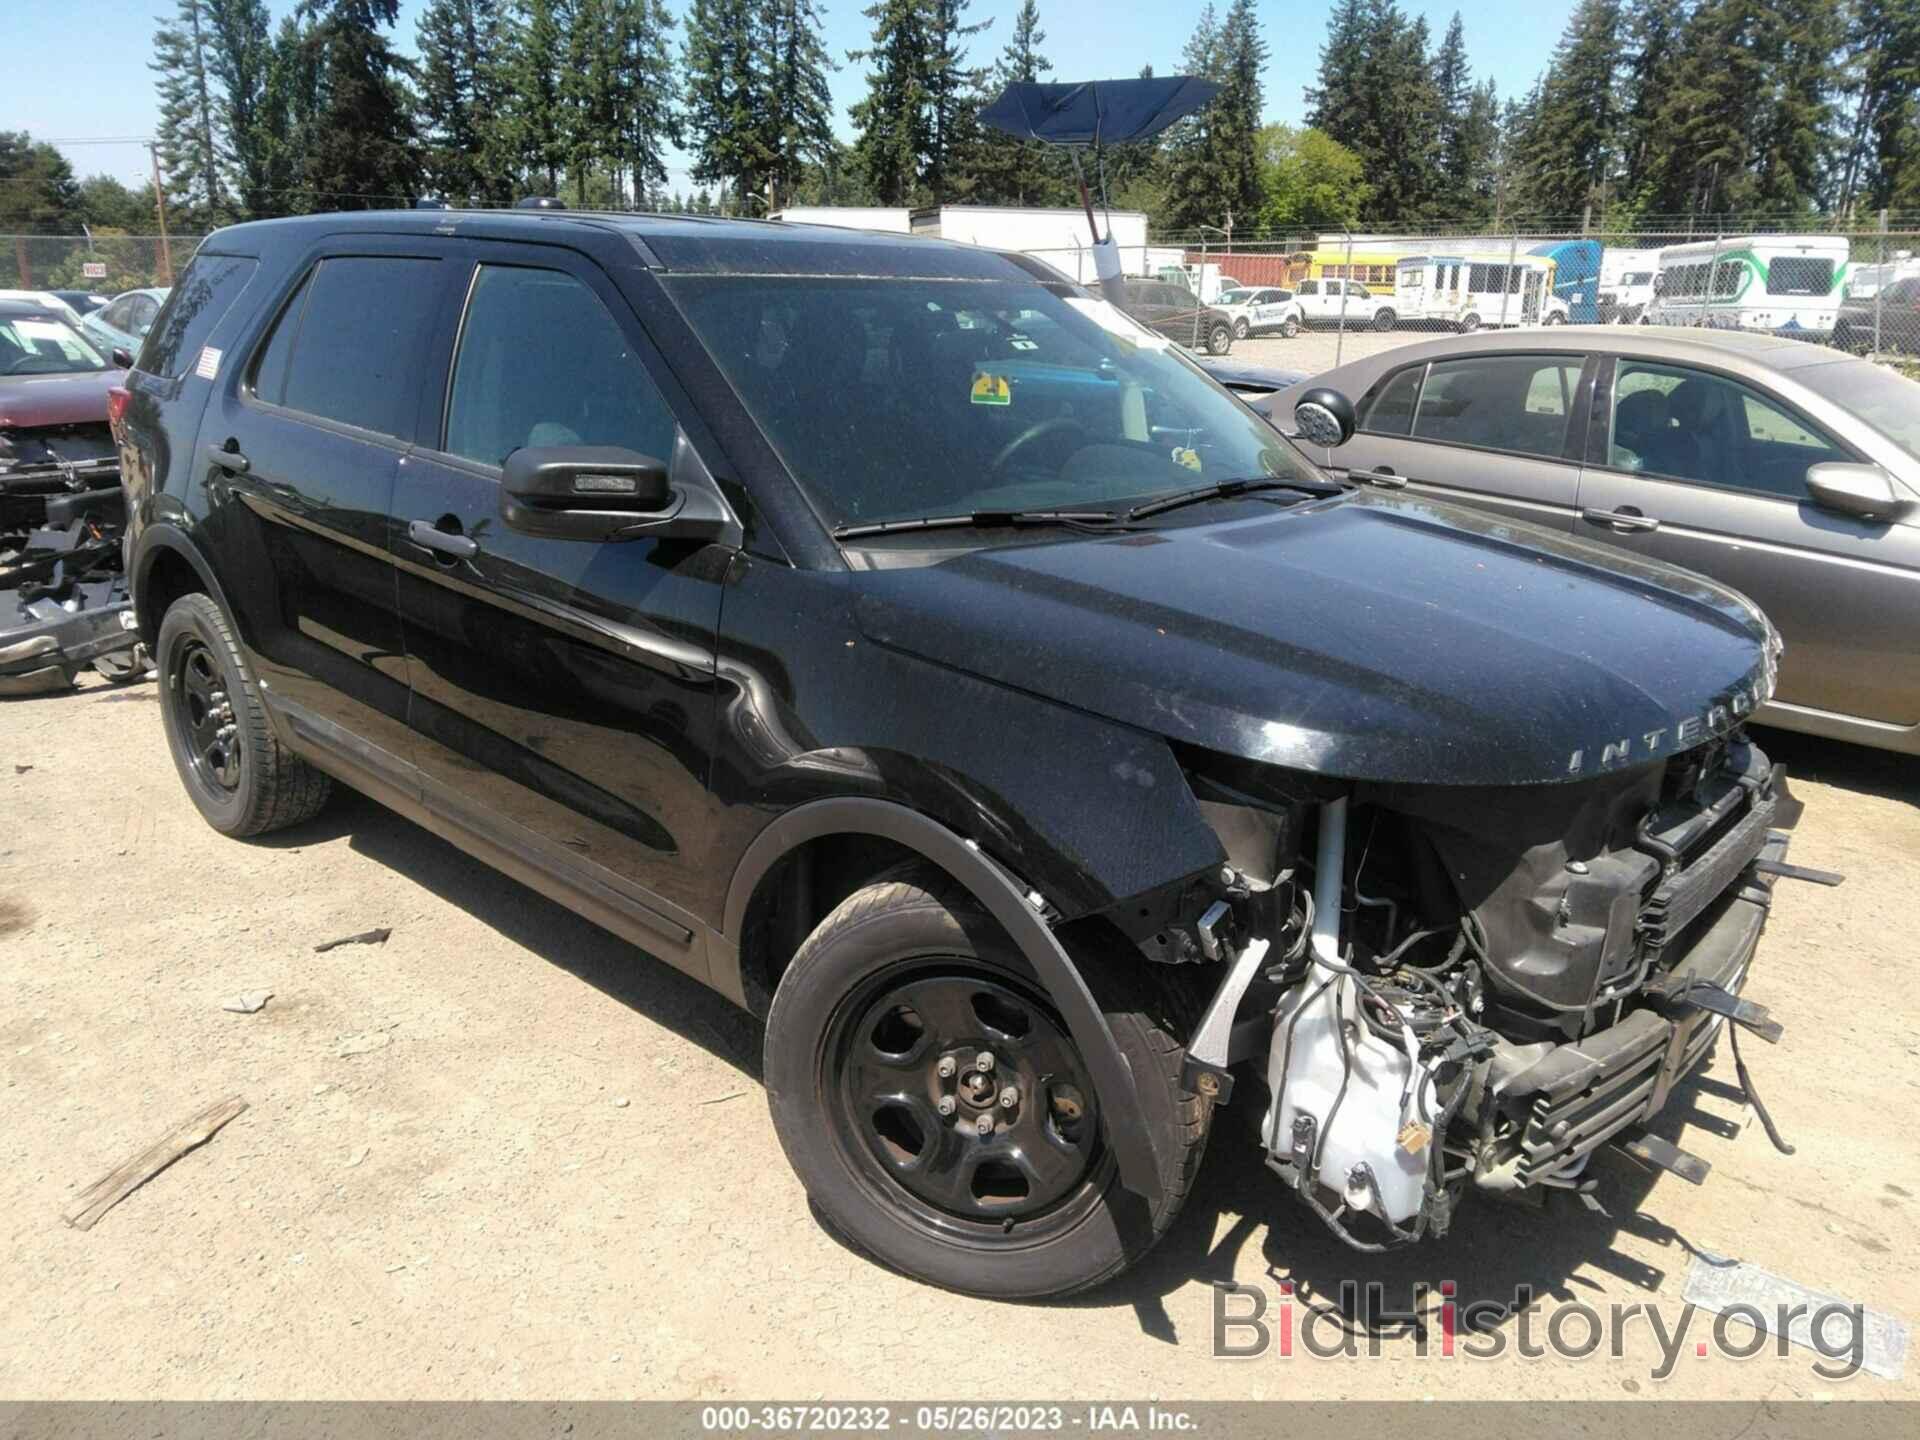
[
  {"x": 1887, "y": 401},
  {"x": 892, "y": 399},
  {"x": 44, "y": 347}
]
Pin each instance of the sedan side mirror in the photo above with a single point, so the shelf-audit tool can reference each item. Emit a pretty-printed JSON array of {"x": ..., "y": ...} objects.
[
  {"x": 121, "y": 357},
  {"x": 1865, "y": 491},
  {"x": 1323, "y": 417},
  {"x": 601, "y": 492}
]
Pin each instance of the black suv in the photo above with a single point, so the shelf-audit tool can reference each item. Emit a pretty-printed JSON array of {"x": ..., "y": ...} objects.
[{"x": 934, "y": 661}]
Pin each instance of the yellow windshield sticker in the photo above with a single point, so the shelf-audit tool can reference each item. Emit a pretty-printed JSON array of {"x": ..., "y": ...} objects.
[
  {"x": 1184, "y": 456},
  {"x": 992, "y": 390}
]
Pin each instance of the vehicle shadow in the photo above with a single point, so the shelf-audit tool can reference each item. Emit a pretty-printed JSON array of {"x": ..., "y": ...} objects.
[
  {"x": 1493, "y": 1251},
  {"x": 529, "y": 919},
  {"x": 1843, "y": 766}
]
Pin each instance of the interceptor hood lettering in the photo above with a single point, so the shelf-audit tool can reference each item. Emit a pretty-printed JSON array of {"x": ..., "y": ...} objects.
[{"x": 1377, "y": 639}]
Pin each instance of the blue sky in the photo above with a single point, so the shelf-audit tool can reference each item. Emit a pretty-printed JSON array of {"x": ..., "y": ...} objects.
[{"x": 94, "y": 83}]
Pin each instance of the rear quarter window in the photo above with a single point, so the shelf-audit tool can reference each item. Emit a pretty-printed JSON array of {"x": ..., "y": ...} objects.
[
  {"x": 354, "y": 350},
  {"x": 199, "y": 302}
]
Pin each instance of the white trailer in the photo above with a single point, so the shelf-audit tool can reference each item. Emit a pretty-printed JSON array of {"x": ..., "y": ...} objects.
[
  {"x": 1057, "y": 236},
  {"x": 893, "y": 219}
]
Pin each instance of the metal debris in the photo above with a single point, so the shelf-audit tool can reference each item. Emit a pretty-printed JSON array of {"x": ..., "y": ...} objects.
[{"x": 1762, "y": 1297}]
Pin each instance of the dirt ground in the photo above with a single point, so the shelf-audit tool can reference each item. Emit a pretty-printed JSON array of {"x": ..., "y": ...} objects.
[{"x": 504, "y": 1155}]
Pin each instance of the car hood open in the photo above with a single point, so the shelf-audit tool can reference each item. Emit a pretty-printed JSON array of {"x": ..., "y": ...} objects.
[{"x": 1382, "y": 639}]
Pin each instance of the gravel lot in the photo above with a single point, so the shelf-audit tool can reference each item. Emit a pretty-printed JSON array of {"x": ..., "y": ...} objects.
[{"x": 503, "y": 1155}]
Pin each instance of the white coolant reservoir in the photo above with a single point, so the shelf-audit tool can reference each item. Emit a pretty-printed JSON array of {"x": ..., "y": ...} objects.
[{"x": 1365, "y": 1127}]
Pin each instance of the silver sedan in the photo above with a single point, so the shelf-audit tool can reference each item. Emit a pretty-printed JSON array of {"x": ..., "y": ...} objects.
[{"x": 1787, "y": 470}]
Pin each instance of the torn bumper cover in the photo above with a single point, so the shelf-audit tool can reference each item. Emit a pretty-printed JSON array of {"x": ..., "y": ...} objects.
[{"x": 63, "y": 596}]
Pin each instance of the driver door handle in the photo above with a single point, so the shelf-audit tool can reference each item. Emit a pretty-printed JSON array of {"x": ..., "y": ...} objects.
[
  {"x": 1383, "y": 478},
  {"x": 430, "y": 537},
  {"x": 1625, "y": 520}
]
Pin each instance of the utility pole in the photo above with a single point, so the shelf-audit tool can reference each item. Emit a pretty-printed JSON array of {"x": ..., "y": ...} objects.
[{"x": 160, "y": 207}]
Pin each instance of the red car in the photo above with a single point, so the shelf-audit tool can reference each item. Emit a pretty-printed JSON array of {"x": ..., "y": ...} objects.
[{"x": 63, "y": 599}]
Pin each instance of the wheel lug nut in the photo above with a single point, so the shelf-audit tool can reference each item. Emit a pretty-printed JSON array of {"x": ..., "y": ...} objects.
[
  {"x": 1009, "y": 1098},
  {"x": 984, "y": 1125},
  {"x": 947, "y": 1067},
  {"x": 946, "y": 1104},
  {"x": 984, "y": 1062}
]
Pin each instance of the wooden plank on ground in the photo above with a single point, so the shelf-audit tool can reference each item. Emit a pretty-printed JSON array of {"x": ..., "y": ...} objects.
[{"x": 128, "y": 1176}]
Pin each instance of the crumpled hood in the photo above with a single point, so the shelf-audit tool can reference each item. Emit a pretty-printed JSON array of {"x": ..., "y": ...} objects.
[
  {"x": 1370, "y": 638},
  {"x": 30, "y": 401}
]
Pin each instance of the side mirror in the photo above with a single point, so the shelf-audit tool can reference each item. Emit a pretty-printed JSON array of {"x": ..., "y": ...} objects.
[
  {"x": 1865, "y": 491},
  {"x": 1323, "y": 417},
  {"x": 601, "y": 492},
  {"x": 121, "y": 357}
]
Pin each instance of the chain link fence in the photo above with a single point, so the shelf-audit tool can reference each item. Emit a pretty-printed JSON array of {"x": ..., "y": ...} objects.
[{"x": 103, "y": 263}]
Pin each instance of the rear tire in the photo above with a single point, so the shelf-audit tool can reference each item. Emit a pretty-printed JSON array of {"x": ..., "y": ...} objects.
[
  {"x": 1219, "y": 339},
  {"x": 1470, "y": 324},
  {"x": 239, "y": 776},
  {"x": 910, "y": 971},
  {"x": 1384, "y": 321},
  {"x": 1241, "y": 329}
]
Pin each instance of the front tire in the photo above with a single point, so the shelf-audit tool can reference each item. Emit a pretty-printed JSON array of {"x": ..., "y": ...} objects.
[
  {"x": 242, "y": 780},
  {"x": 999, "y": 1182},
  {"x": 1219, "y": 339},
  {"x": 1290, "y": 327},
  {"x": 1470, "y": 324}
]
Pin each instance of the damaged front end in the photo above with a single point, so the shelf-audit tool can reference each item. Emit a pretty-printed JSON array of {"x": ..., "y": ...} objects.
[
  {"x": 1454, "y": 988},
  {"x": 64, "y": 604}
]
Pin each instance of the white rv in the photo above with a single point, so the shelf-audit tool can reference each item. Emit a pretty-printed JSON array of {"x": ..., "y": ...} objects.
[
  {"x": 1467, "y": 291},
  {"x": 1784, "y": 284}
]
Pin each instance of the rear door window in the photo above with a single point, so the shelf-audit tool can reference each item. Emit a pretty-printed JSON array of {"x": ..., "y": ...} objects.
[
  {"x": 1517, "y": 403},
  {"x": 201, "y": 299},
  {"x": 354, "y": 356}
]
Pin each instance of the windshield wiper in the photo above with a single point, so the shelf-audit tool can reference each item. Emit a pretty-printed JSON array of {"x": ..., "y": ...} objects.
[
  {"x": 1227, "y": 488},
  {"x": 983, "y": 520}
]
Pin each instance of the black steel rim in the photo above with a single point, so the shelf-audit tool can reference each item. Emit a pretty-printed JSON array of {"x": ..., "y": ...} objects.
[
  {"x": 959, "y": 1099},
  {"x": 204, "y": 712}
]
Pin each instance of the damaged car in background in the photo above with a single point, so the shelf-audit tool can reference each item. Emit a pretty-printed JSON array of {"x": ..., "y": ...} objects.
[
  {"x": 63, "y": 591},
  {"x": 1070, "y": 758}
]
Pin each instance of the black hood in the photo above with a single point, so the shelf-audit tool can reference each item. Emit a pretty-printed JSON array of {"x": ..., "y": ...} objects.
[{"x": 1366, "y": 638}]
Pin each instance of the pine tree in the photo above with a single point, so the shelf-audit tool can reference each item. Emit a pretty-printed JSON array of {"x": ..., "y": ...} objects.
[
  {"x": 239, "y": 60},
  {"x": 1198, "y": 177},
  {"x": 648, "y": 91},
  {"x": 533, "y": 121},
  {"x": 359, "y": 150},
  {"x": 892, "y": 121},
  {"x": 1453, "y": 80},
  {"x": 1881, "y": 160},
  {"x": 1006, "y": 171},
  {"x": 1794, "y": 141},
  {"x": 1705, "y": 119},
  {"x": 799, "y": 106},
  {"x": 726, "y": 110},
  {"x": 1377, "y": 95},
  {"x": 953, "y": 98},
  {"x": 289, "y": 109},
  {"x": 460, "y": 100},
  {"x": 589, "y": 97},
  {"x": 189, "y": 133},
  {"x": 1652, "y": 30},
  {"x": 1568, "y": 155},
  {"x": 1339, "y": 106}
]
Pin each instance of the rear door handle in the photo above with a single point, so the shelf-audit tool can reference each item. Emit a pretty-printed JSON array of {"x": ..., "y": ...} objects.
[
  {"x": 1624, "y": 519},
  {"x": 430, "y": 537},
  {"x": 231, "y": 460}
]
